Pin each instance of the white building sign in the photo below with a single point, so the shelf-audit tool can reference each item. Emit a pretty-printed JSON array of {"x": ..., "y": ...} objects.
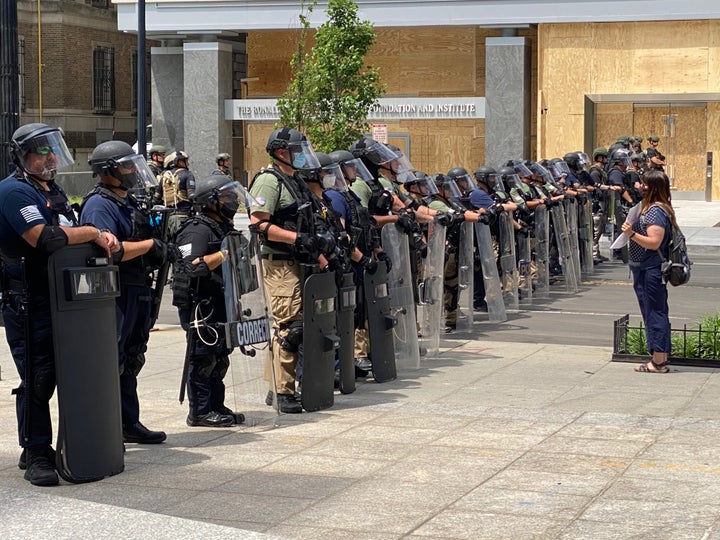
[{"x": 387, "y": 109}]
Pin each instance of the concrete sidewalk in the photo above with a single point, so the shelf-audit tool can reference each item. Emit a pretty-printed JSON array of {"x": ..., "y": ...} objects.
[{"x": 488, "y": 440}]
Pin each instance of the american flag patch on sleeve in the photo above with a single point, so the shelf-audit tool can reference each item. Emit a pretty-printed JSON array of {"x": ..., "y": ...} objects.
[
  {"x": 31, "y": 213},
  {"x": 185, "y": 249}
]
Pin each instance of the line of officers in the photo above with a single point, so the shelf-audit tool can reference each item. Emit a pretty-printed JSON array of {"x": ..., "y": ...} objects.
[
  {"x": 445, "y": 245},
  {"x": 358, "y": 254}
]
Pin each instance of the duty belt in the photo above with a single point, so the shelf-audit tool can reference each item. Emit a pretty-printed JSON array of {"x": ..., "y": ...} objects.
[{"x": 277, "y": 257}]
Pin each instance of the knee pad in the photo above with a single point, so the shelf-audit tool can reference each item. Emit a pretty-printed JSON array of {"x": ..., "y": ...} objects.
[
  {"x": 293, "y": 337},
  {"x": 43, "y": 384}
]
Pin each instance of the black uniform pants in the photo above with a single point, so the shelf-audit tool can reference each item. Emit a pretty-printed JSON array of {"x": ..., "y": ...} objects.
[{"x": 42, "y": 361}]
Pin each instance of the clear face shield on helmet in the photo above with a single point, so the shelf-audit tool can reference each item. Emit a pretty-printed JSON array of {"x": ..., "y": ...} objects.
[
  {"x": 540, "y": 171},
  {"x": 450, "y": 189},
  {"x": 511, "y": 180},
  {"x": 584, "y": 160},
  {"x": 560, "y": 170},
  {"x": 44, "y": 155},
  {"x": 465, "y": 183},
  {"x": 402, "y": 168},
  {"x": 623, "y": 157},
  {"x": 379, "y": 154},
  {"x": 303, "y": 156},
  {"x": 232, "y": 196},
  {"x": 134, "y": 173},
  {"x": 521, "y": 169},
  {"x": 331, "y": 177},
  {"x": 354, "y": 169},
  {"x": 422, "y": 186}
]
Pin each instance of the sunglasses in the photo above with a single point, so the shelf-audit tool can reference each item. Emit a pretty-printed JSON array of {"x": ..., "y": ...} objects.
[{"x": 45, "y": 150}]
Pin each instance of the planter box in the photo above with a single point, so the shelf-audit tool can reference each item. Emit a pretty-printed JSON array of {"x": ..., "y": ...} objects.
[{"x": 696, "y": 346}]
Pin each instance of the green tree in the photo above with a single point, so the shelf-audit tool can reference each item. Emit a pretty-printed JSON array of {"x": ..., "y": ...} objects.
[{"x": 332, "y": 89}]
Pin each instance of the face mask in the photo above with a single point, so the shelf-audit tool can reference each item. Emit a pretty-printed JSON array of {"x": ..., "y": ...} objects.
[
  {"x": 228, "y": 209},
  {"x": 328, "y": 182},
  {"x": 299, "y": 161}
]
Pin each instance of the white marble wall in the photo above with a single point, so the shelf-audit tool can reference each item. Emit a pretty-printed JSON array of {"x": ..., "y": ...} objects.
[
  {"x": 507, "y": 94},
  {"x": 208, "y": 83}
]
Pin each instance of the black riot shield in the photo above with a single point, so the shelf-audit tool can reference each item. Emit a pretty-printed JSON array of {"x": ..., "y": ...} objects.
[
  {"x": 346, "y": 331},
  {"x": 493, "y": 291},
  {"x": 508, "y": 261},
  {"x": 381, "y": 322},
  {"x": 466, "y": 292},
  {"x": 402, "y": 298},
  {"x": 431, "y": 292},
  {"x": 320, "y": 340},
  {"x": 542, "y": 251},
  {"x": 83, "y": 287},
  {"x": 248, "y": 327}
]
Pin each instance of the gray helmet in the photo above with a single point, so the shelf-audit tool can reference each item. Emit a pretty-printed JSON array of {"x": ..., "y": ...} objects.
[
  {"x": 324, "y": 159},
  {"x": 221, "y": 157},
  {"x": 40, "y": 139},
  {"x": 457, "y": 172},
  {"x": 621, "y": 155},
  {"x": 108, "y": 158},
  {"x": 207, "y": 189},
  {"x": 341, "y": 156}
]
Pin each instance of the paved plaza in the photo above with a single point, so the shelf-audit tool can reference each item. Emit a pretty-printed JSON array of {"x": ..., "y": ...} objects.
[{"x": 489, "y": 439}]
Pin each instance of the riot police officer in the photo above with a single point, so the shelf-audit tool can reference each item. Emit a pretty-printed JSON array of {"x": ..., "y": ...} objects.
[
  {"x": 198, "y": 294},
  {"x": 279, "y": 213},
  {"x": 35, "y": 221},
  {"x": 111, "y": 205}
]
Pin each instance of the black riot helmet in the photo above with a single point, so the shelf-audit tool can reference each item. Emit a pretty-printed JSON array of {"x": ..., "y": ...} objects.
[
  {"x": 462, "y": 179},
  {"x": 302, "y": 155},
  {"x": 330, "y": 176},
  {"x": 373, "y": 154},
  {"x": 219, "y": 194},
  {"x": 117, "y": 159},
  {"x": 509, "y": 177},
  {"x": 40, "y": 150},
  {"x": 483, "y": 174},
  {"x": 573, "y": 161},
  {"x": 621, "y": 156},
  {"x": 352, "y": 167}
]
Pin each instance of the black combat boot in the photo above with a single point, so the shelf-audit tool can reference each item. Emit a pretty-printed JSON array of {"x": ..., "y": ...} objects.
[
  {"x": 211, "y": 419},
  {"x": 22, "y": 462},
  {"x": 40, "y": 470},
  {"x": 137, "y": 433},
  {"x": 289, "y": 404}
]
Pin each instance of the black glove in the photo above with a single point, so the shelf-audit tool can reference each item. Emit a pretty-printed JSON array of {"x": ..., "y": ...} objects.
[
  {"x": 549, "y": 203},
  {"x": 306, "y": 243},
  {"x": 157, "y": 254},
  {"x": 443, "y": 219},
  {"x": 383, "y": 257},
  {"x": 457, "y": 218},
  {"x": 326, "y": 243},
  {"x": 405, "y": 222},
  {"x": 368, "y": 264}
]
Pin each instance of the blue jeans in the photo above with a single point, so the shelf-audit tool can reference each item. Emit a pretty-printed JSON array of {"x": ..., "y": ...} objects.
[{"x": 652, "y": 297}]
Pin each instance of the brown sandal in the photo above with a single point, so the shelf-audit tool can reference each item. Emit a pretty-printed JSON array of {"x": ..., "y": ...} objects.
[{"x": 656, "y": 368}]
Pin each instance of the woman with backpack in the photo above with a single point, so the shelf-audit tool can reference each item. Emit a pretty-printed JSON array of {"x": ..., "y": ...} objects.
[{"x": 649, "y": 237}]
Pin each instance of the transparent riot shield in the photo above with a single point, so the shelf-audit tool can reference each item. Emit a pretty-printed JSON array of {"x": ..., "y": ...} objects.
[
  {"x": 464, "y": 319},
  {"x": 563, "y": 244},
  {"x": 402, "y": 303},
  {"x": 493, "y": 291},
  {"x": 247, "y": 330},
  {"x": 83, "y": 286},
  {"x": 571, "y": 218},
  {"x": 431, "y": 290},
  {"x": 320, "y": 341},
  {"x": 585, "y": 235},
  {"x": 508, "y": 261},
  {"x": 525, "y": 278},
  {"x": 542, "y": 251}
]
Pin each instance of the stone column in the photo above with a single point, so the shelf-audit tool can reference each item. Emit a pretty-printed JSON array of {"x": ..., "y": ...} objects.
[
  {"x": 507, "y": 94},
  {"x": 166, "y": 87},
  {"x": 208, "y": 83}
]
